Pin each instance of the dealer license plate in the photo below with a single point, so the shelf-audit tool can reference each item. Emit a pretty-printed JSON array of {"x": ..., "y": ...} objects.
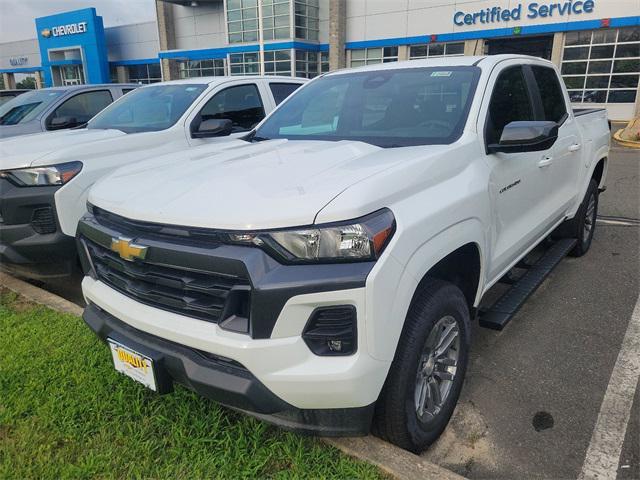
[{"x": 133, "y": 364}]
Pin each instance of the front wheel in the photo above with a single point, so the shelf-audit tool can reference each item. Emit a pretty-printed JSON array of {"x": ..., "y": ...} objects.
[{"x": 426, "y": 376}]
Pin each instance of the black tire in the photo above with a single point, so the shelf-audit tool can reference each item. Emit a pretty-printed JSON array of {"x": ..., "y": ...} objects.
[
  {"x": 583, "y": 225},
  {"x": 396, "y": 416}
]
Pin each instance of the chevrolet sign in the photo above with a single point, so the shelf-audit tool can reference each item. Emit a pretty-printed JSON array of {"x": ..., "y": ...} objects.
[{"x": 62, "y": 30}]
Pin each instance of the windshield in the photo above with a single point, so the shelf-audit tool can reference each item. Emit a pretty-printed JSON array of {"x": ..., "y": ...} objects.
[
  {"x": 388, "y": 108},
  {"x": 26, "y": 107},
  {"x": 148, "y": 109}
]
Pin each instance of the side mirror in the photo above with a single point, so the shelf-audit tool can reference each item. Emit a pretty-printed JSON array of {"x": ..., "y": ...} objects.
[
  {"x": 215, "y": 127},
  {"x": 58, "y": 123},
  {"x": 526, "y": 137}
]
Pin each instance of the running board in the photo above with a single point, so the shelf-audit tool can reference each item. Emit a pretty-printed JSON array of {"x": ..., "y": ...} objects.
[{"x": 501, "y": 312}]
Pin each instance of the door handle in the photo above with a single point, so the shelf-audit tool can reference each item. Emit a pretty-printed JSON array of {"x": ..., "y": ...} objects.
[
  {"x": 545, "y": 162},
  {"x": 575, "y": 147}
]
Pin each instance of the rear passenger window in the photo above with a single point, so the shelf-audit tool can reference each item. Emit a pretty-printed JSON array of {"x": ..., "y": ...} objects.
[
  {"x": 551, "y": 93},
  {"x": 241, "y": 104},
  {"x": 510, "y": 102},
  {"x": 83, "y": 106},
  {"x": 281, "y": 91}
]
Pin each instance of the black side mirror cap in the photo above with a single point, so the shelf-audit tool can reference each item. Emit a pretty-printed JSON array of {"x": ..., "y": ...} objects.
[
  {"x": 529, "y": 136},
  {"x": 215, "y": 127}
]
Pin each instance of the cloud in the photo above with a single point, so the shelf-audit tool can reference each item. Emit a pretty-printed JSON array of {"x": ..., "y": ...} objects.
[{"x": 17, "y": 17}]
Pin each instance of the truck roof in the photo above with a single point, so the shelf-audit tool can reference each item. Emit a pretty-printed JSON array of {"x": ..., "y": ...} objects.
[
  {"x": 483, "y": 61},
  {"x": 221, "y": 79},
  {"x": 73, "y": 88}
]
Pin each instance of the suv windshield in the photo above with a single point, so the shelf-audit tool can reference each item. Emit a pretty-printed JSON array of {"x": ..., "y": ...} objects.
[
  {"x": 148, "y": 109},
  {"x": 387, "y": 108},
  {"x": 27, "y": 106}
]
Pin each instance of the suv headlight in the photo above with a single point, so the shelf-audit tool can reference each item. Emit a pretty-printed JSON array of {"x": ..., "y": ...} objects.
[
  {"x": 42, "y": 176},
  {"x": 362, "y": 239}
]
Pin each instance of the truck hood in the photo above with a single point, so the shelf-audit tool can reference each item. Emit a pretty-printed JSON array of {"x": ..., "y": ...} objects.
[
  {"x": 271, "y": 184},
  {"x": 27, "y": 150}
]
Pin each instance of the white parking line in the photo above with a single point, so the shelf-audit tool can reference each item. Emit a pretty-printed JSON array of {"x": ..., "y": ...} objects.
[{"x": 603, "y": 454}]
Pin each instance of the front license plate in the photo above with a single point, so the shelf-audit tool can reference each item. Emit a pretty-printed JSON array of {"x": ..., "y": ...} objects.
[{"x": 133, "y": 364}]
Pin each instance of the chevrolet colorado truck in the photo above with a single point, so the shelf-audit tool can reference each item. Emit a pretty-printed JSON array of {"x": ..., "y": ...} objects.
[
  {"x": 45, "y": 178},
  {"x": 324, "y": 273},
  {"x": 56, "y": 108}
]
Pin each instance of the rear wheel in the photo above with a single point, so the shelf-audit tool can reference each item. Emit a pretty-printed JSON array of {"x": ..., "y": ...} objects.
[
  {"x": 584, "y": 223},
  {"x": 426, "y": 376}
]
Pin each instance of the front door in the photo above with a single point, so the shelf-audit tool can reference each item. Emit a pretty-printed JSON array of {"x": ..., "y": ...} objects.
[{"x": 519, "y": 205}]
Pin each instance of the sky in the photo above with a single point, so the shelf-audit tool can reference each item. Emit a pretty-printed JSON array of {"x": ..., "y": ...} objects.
[{"x": 17, "y": 17}]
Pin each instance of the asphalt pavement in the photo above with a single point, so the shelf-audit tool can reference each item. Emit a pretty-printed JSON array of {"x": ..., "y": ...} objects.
[{"x": 534, "y": 391}]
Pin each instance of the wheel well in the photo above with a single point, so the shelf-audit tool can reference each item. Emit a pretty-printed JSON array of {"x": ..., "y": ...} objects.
[
  {"x": 462, "y": 268},
  {"x": 599, "y": 171}
]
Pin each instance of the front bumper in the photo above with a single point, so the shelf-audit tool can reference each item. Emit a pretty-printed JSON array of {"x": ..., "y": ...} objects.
[
  {"x": 226, "y": 381},
  {"x": 31, "y": 241}
]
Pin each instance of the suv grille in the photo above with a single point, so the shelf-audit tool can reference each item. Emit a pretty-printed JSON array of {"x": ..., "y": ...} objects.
[{"x": 197, "y": 294}]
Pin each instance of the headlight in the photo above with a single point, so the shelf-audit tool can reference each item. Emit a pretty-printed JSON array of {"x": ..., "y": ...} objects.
[
  {"x": 358, "y": 240},
  {"x": 43, "y": 176}
]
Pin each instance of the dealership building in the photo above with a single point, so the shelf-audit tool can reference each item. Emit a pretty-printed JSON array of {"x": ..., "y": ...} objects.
[{"x": 595, "y": 43}]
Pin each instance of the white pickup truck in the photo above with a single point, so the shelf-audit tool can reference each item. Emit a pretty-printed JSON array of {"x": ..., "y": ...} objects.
[
  {"x": 324, "y": 273},
  {"x": 45, "y": 178}
]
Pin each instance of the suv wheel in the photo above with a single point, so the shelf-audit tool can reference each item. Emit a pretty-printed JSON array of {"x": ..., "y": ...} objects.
[{"x": 426, "y": 376}]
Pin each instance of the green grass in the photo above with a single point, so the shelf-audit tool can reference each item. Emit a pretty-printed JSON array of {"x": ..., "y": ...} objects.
[{"x": 65, "y": 413}]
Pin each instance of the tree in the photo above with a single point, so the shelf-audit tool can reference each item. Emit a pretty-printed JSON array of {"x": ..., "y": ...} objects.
[{"x": 28, "y": 82}]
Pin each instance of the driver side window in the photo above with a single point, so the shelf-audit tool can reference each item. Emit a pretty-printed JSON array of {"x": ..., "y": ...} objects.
[
  {"x": 510, "y": 102},
  {"x": 240, "y": 104},
  {"x": 83, "y": 106}
]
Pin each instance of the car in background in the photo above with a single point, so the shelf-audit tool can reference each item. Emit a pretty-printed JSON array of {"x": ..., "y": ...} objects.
[
  {"x": 6, "y": 95},
  {"x": 57, "y": 108},
  {"x": 45, "y": 178}
]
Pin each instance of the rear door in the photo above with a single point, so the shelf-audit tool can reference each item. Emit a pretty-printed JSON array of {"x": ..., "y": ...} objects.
[
  {"x": 516, "y": 185},
  {"x": 562, "y": 170}
]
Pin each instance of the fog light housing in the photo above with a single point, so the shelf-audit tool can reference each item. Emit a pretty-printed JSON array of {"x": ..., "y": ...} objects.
[{"x": 332, "y": 331}]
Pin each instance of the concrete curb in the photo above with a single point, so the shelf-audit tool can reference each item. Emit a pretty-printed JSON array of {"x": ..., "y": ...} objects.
[
  {"x": 38, "y": 295},
  {"x": 392, "y": 460}
]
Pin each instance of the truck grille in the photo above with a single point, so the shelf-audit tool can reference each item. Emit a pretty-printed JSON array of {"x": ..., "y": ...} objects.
[
  {"x": 196, "y": 294},
  {"x": 42, "y": 220}
]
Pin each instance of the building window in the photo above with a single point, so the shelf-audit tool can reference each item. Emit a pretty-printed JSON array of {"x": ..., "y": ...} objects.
[
  {"x": 277, "y": 62},
  {"x": 242, "y": 20},
  {"x": 602, "y": 66},
  {"x": 307, "y": 19},
  {"x": 369, "y": 56},
  {"x": 202, "y": 68},
  {"x": 275, "y": 19},
  {"x": 324, "y": 62},
  {"x": 306, "y": 64},
  {"x": 245, "y": 63},
  {"x": 431, "y": 50},
  {"x": 148, "y": 73}
]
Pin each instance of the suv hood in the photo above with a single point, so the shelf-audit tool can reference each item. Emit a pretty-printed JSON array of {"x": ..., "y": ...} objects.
[
  {"x": 25, "y": 150},
  {"x": 271, "y": 184}
]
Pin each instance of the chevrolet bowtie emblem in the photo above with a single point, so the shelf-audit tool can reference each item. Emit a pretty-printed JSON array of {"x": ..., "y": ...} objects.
[{"x": 127, "y": 250}]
